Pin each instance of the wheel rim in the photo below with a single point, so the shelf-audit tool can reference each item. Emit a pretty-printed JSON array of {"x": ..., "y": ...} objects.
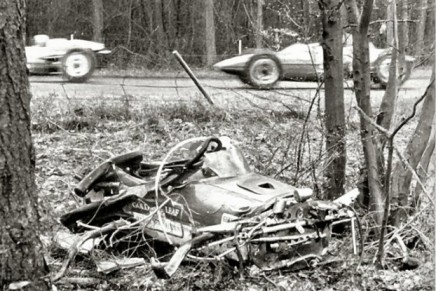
[
  {"x": 264, "y": 72},
  {"x": 77, "y": 65}
]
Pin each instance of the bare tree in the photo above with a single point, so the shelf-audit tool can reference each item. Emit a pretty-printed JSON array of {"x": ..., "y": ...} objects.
[
  {"x": 21, "y": 260},
  {"x": 259, "y": 23},
  {"x": 97, "y": 20},
  {"x": 334, "y": 96},
  {"x": 359, "y": 23},
  {"x": 402, "y": 176},
  {"x": 422, "y": 18},
  {"x": 209, "y": 32}
]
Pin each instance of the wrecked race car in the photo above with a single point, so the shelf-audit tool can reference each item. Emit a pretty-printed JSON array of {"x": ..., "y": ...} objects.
[{"x": 209, "y": 205}]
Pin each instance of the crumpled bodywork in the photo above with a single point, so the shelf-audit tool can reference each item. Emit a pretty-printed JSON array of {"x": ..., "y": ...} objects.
[{"x": 211, "y": 206}]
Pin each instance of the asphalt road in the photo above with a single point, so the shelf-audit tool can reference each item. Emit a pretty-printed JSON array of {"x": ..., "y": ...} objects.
[{"x": 224, "y": 91}]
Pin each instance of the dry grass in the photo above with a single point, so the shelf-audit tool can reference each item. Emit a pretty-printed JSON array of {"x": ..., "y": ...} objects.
[{"x": 70, "y": 136}]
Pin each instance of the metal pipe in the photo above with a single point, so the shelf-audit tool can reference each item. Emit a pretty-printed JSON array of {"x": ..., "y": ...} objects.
[{"x": 191, "y": 74}]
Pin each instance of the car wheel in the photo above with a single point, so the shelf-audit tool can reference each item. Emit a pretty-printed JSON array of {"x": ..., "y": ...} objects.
[
  {"x": 78, "y": 65},
  {"x": 244, "y": 79},
  {"x": 263, "y": 71},
  {"x": 382, "y": 66}
]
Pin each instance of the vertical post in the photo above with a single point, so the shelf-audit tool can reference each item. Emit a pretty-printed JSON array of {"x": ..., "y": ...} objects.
[{"x": 240, "y": 47}]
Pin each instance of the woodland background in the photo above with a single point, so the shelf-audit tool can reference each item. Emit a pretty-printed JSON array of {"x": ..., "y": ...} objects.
[{"x": 143, "y": 33}]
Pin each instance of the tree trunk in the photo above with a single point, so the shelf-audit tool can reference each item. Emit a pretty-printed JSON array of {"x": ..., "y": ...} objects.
[
  {"x": 129, "y": 23},
  {"x": 420, "y": 29},
  {"x": 389, "y": 101},
  {"x": 97, "y": 20},
  {"x": 423, "y": 168},
  {"x": 21, "y": 258},
  {"x": 306, "y": 18},
  {"x": 259, "y": 22},
  {"x": 160, "y": 38},
  {"x": 390, "y": 12},
  {"x": 402, "y": 177},
  {"x": 362, "y": 82},
  {"x": 209, "y": 33},
  {"x": 403, "y": 28},
  {"x": 334, "y": 97}
]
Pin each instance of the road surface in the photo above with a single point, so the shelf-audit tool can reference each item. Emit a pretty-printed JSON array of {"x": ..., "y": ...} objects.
[{"x": 225, "y": 92}]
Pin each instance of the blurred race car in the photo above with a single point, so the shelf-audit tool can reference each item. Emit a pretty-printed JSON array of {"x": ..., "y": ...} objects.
[
  {"x": 75, "y": 58},
  {"x": 262, "y": 69}
]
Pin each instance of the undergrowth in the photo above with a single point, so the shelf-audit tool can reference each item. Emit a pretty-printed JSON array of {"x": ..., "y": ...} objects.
[{"x": 71, "y": 137}]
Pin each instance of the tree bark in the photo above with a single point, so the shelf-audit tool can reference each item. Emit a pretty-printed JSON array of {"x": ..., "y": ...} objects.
[
  {"x": 161, "y": 43},
  {"x": 362, "y": 82},
  {"x": 423, "y": 168},
  {"x": 209, "y": 32},
  {"x": 97, "y": 20},
  {"x": 334, "y": 97},
  {"x": 420, "y": 29},
  {"x": 402, "y": 177},
  {"x": 390, "y": 12},
  {"x": 389, "y": 101},
  {"x": 259, "y": 22},
  {"x": 21, "y": 257},
  {"x": 403, "y": 29}
]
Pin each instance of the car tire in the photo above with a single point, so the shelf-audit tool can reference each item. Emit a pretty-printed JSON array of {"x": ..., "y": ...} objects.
[
  {"x": 263, "y": 71},
  {"x": 78, "y": 65},
  {"x": 382, "y": 67}
]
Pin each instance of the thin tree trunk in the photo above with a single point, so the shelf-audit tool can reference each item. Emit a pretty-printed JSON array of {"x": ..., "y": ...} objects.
[
  {"x": 160, "y": 38},
  {"x": 334, "y": 97},
  {"x": 97, "y": 20},
  {"x": 403, "y": 36},
  {"x": 389, "y": 101},
  {"x": 259, "y": 22},
  {"x": 402, "y": 177},
  {"x": 362, "y": 81},
  {"x": 403, "y": 29},
  {"x": 21, "y": 258},
  {"x": 129, "y": 23},
  {"x": 390, "y": 12},
  {"x": 423, "y": 168},
  {"x": 306, "y": 18},
  {"x": 209, "y": 32},
  {"x": 420, "y": 29}
]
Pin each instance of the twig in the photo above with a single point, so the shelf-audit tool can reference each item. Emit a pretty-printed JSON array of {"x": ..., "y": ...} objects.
[
  {"x": 76, "y": 246},
  {"x": 273, "y": 283}
]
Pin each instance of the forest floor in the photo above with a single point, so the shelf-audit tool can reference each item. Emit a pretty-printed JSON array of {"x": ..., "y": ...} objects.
[{"x": 70, "y": 139}]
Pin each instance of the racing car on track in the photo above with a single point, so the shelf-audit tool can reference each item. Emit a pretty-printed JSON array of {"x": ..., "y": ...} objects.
[
  {"x": 75, "y": 58},
  {"x": 263, "y": 68},
  {"x": 209, "y": 205}
]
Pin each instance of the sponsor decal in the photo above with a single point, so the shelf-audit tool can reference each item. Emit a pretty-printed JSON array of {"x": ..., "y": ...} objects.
[
  {"x": 140, "y": 207},
  {"x": 171, "y": 227},
  {"x": 171, "y": 216}
]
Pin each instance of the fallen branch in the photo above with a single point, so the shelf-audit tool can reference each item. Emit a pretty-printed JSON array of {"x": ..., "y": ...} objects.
[{"x": 76, "y": 246}]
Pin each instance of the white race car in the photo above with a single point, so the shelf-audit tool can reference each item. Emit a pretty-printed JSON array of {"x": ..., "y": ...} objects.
[
  {"x": 262, "y": 69},
  {"x": 75, "y": 58}
]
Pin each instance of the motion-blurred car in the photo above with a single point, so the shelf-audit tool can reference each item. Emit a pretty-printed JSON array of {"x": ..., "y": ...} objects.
[
  {"x": 299, "y": 61},
  {"x": 75, "y": 58}
]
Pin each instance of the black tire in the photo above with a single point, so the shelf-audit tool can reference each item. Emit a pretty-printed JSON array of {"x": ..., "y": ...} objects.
[
  {"x": 382, "y": 66},
  {"x": 263, "y": 71},
  {"x": 78, "y": 65},
  {"x": 244, "y": 78}
]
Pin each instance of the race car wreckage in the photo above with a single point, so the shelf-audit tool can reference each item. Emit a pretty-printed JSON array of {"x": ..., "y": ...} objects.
[{"x": 209, "y": 205}]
